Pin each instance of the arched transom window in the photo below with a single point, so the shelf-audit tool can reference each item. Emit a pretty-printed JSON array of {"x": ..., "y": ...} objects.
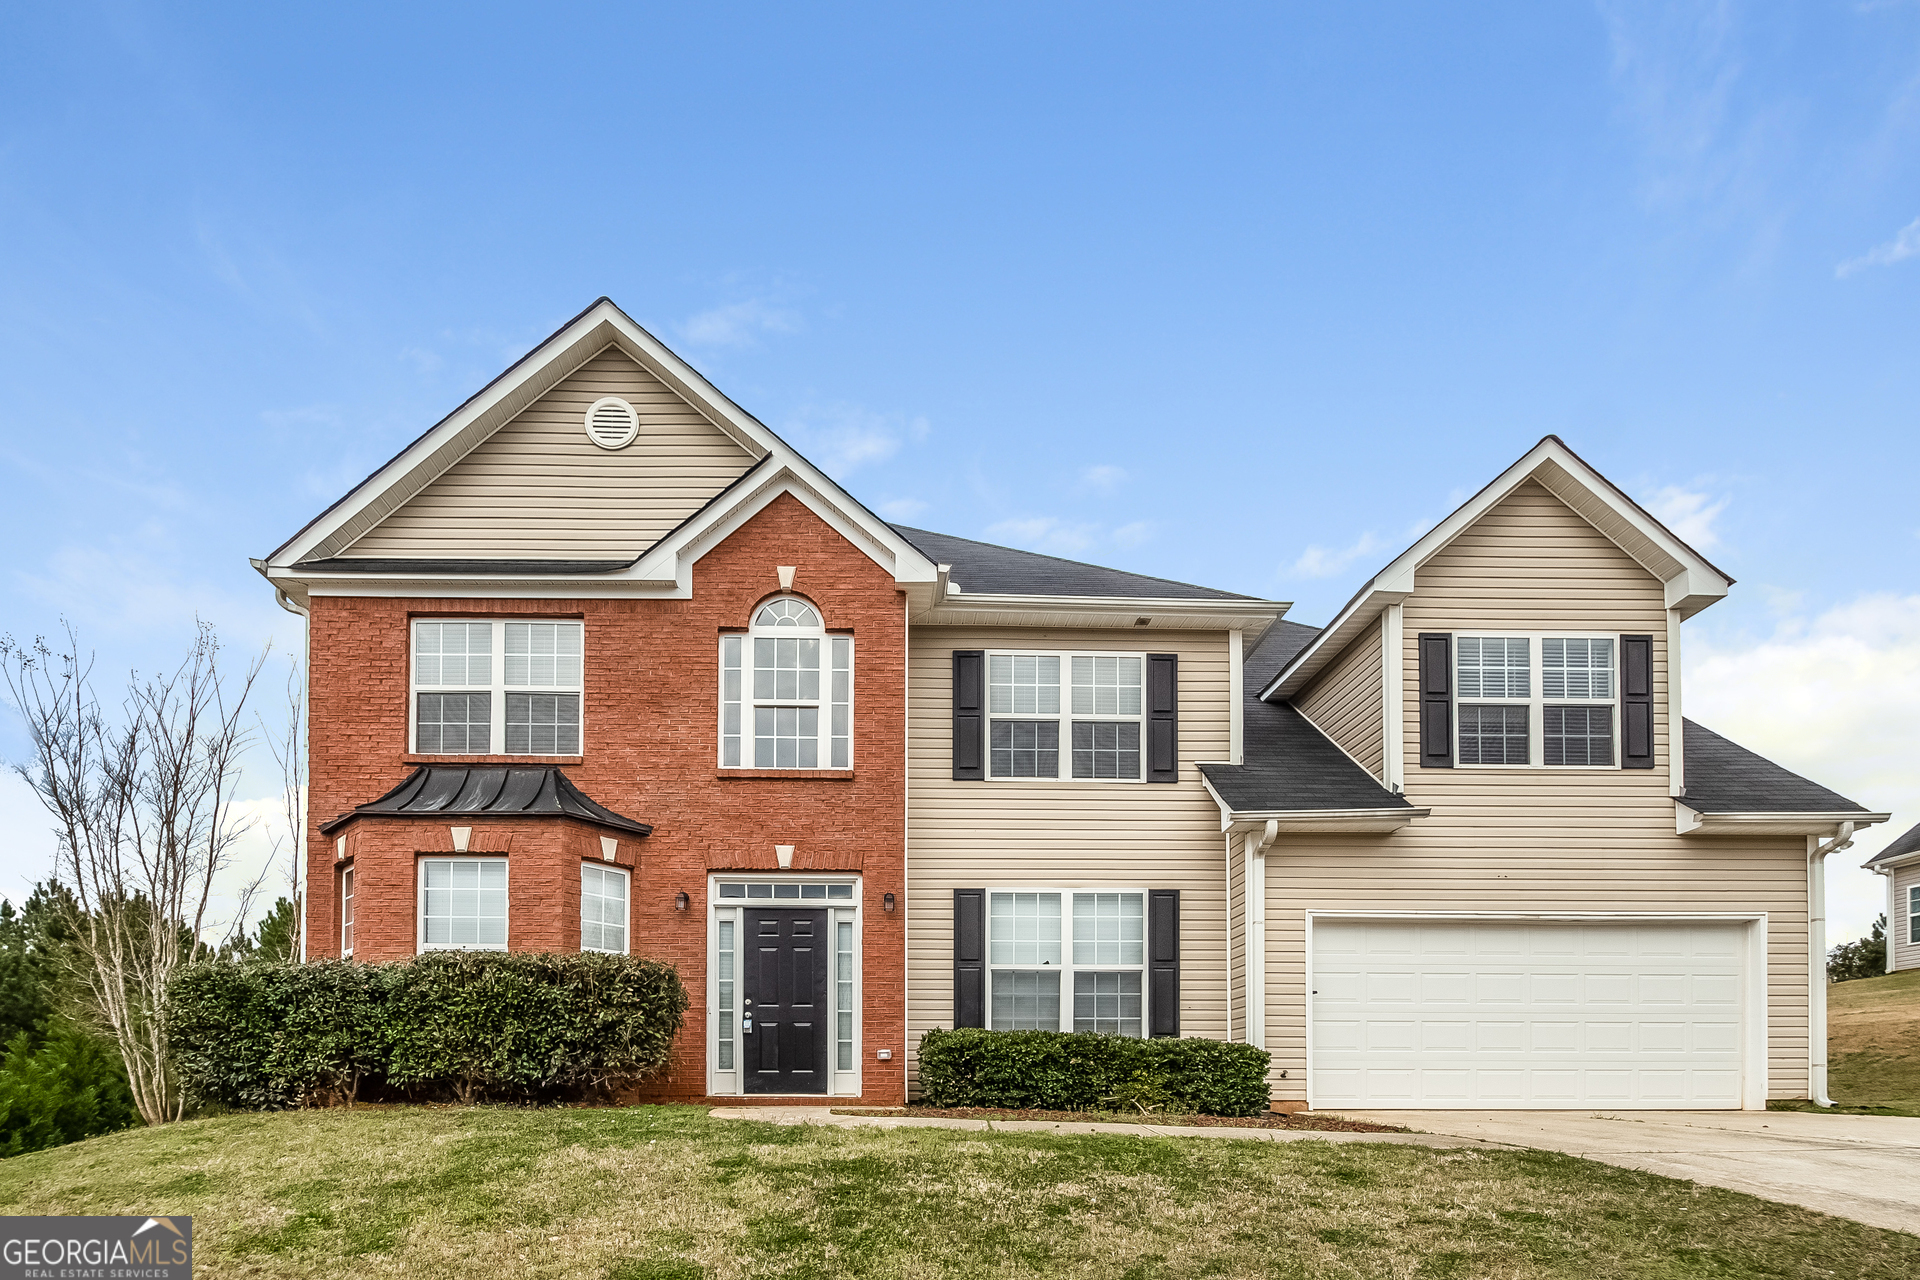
[{"x": 786, "y": 692}]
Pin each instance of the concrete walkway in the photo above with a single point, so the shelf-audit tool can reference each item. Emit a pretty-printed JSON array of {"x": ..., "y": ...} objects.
[
  {"x": 825, "y": 1116},
  {"x": 1862, "y": 1167}
]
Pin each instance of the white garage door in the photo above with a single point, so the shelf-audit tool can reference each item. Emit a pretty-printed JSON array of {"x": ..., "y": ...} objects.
[{"x": 1476, "y": 1014}]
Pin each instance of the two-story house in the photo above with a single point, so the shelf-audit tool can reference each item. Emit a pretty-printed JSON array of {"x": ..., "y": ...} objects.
[{"x": 599, "y": 662}]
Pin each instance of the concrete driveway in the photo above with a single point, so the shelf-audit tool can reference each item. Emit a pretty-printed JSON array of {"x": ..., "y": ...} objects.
[{"x": 1862, "y": 1167}]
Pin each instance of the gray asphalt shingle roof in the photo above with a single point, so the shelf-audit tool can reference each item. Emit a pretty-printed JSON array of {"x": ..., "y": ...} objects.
[
  {"x": 1908, "y": 843},
  {"x": 989, "y": 570},
  {"x": 495, "y": 790},
  {"x": 1725, "y": 777}
]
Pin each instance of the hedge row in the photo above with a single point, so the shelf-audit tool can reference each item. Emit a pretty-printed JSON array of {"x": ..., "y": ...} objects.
[
  {"x": 464, "y": 1025},
  {"x": 1060, "y": 1071}
]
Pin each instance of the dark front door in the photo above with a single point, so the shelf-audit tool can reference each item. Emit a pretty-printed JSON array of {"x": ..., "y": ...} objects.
[{"x": 783, "y": 1023}]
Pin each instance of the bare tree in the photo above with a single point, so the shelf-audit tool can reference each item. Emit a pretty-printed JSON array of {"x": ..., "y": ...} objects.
[
  {"x": 142, "y": 807},
  {"x": 287, "y": 744}
]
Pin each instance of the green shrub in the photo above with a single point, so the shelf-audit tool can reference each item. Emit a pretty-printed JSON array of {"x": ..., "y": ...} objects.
[
  {"x": 72, "y": 1086},
  {"x": 467, "y": 1025},
  {"x": 1865, "y": 958},
  {"x": 1058, "y": 1071}
]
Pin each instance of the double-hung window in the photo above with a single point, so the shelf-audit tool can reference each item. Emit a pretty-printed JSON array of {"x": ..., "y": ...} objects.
[
  {"x": 1547, "y": 700},
  {"x": 1084, "y": 707},
  {"x": 603, "y": 909},
  {"x": 499, "y": 687},
  {"x": 1067, "y": 960},
  {"x": 1913, "y": 914},
  {"x": 786, "y": 692},
  {"x": 463, "y": 904},
  {"x": 346, "y": 911}
]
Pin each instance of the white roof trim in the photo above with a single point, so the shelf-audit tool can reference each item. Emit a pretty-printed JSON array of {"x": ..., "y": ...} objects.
[
  {"x": 966, "y": 608},
  {"x": 1691, "y": 822},
  {"x": 1310, "y": 819},
  {"x": 602, "y": 325},
  {"x": 1692, "y": 583}
]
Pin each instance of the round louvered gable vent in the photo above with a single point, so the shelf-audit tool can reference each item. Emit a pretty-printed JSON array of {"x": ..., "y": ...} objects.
[{"x": 612, "y": 423}]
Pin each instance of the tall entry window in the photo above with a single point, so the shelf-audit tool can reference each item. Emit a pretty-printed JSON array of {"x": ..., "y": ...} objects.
[
  {"x": 786, "y": 692},
  {"x": 497, "y": 687}
]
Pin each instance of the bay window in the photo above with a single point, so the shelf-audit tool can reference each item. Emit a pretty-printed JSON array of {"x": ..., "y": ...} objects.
[{"x": 463, "y": 904}]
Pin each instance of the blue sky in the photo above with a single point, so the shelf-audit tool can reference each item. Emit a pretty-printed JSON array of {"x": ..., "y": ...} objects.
[{"x": 1243, "y": 295}]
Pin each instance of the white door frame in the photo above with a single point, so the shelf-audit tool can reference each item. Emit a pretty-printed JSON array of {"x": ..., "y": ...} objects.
[
  {"x": 840, "y": 1084},
  {"x": 1753, "y": 971}
]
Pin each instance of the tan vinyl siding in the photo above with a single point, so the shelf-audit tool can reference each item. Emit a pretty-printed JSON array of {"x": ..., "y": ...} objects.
[
  {"x": 539, "y": 489},
  {"x": 1344, "y": 701},
  {"x": 1519, "y": 839},
  {"x": 1906, "y": 955},
  {"x": 1063, "y": 833}
]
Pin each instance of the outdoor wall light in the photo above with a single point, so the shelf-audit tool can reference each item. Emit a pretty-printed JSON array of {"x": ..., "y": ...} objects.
[
  {"x": 886, "y": 903},
  {"x": 681, "y": 901}
]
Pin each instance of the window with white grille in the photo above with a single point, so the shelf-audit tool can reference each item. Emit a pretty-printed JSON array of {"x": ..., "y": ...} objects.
[
  {"x": 463, "y": 904},
  {"x": 1083, "y": 710},
  {"x": 1562, "y": 717},
  {"x": 497, "y": 687},
  {"x": 1067, "y": 960},
  {"x": 603, "y": 909},
  {"x": 786, "y": 692}
]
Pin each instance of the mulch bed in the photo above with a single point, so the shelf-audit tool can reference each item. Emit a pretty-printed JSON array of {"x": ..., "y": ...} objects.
[{"x": 1271, "y": 1120}]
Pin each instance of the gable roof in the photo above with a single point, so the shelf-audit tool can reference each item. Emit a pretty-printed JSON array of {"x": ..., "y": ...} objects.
[
  {"x": 315, "y": 551},
  {"x": 1902, "y": 846},
  {"x": 981, "y": 567},
  {"x": 1725, "y": 777},
  {"x": 1692, "y": 582}
]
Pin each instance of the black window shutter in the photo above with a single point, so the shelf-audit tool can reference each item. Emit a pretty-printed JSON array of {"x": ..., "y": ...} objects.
[
  {"x": 1163, "y": 962},
  {"x": 969, "y": 716},
  {"x": 1436, "y": 700},
  {"x": 1636, "y": 702},
  {"x": 969, "y": 957},
  {"x": 1163, "y": 717}
]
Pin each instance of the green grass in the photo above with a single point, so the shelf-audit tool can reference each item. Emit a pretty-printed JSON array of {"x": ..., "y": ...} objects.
[
  {"x": 659, "y": 1193},
  {"x": 1873, "y": 1046}
]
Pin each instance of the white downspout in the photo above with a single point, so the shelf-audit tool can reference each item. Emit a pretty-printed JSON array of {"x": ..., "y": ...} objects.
[
  {"x": 1226, "y": 839},
  {"x": 1888, "y": 876},
  {"x": 1256, "y": 948},
  {"x": 1817, "y": 959}
]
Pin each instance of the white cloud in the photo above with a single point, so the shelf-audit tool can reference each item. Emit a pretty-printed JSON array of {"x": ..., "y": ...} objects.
[
  {"x": 1689, "y": 513},
  {"x": 1105, "y": 477},
  {"x": 737, "y": 324},
  {"x": 1835, "y": 698},
  {"x": 1899, "y": 249},
  {"x": 1045, "y": 533},
  {"x": 901, "y": 508},
  {"x": 841, "y": 438},
  {"x": 1132, "y": 535},
  {"x": 1323, "y": 562}
]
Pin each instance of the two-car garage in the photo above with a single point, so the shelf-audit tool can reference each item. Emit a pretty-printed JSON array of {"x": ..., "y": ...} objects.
[{"x": 1533, "y": 1013}]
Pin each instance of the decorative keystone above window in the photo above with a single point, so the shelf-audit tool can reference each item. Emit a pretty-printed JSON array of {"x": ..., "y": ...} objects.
[{"x": 612, "y": 423}]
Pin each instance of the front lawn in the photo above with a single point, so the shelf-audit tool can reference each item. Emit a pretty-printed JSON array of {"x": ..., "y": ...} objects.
[
  {"x": 662, "y": 1193},
  {"x": 1873, "y": 1046}
]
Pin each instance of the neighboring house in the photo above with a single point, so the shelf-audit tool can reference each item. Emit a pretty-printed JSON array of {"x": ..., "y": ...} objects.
[
  {"x": 601, "y": 663},
  {"x": 1899, "y": 862}
]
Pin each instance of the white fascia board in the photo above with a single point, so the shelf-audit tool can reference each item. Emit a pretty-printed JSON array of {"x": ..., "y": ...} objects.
[
  {"x": 670, "y": 561},
  {"x": 1691, "y": 582},
  {"x": 599, "y": 326},
  {"x": 1239, "y": 822},
  {"x": 1691, "y": 822},
  {"x": 966, "y": 608},
  {"x": 1888, "y": 867}
]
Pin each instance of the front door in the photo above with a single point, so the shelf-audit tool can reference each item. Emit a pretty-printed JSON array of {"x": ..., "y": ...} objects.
[{"x": 783, "y": 1022}]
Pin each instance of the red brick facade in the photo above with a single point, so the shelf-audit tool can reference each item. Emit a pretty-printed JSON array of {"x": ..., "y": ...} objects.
[{"x": 650, "y": 753}]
